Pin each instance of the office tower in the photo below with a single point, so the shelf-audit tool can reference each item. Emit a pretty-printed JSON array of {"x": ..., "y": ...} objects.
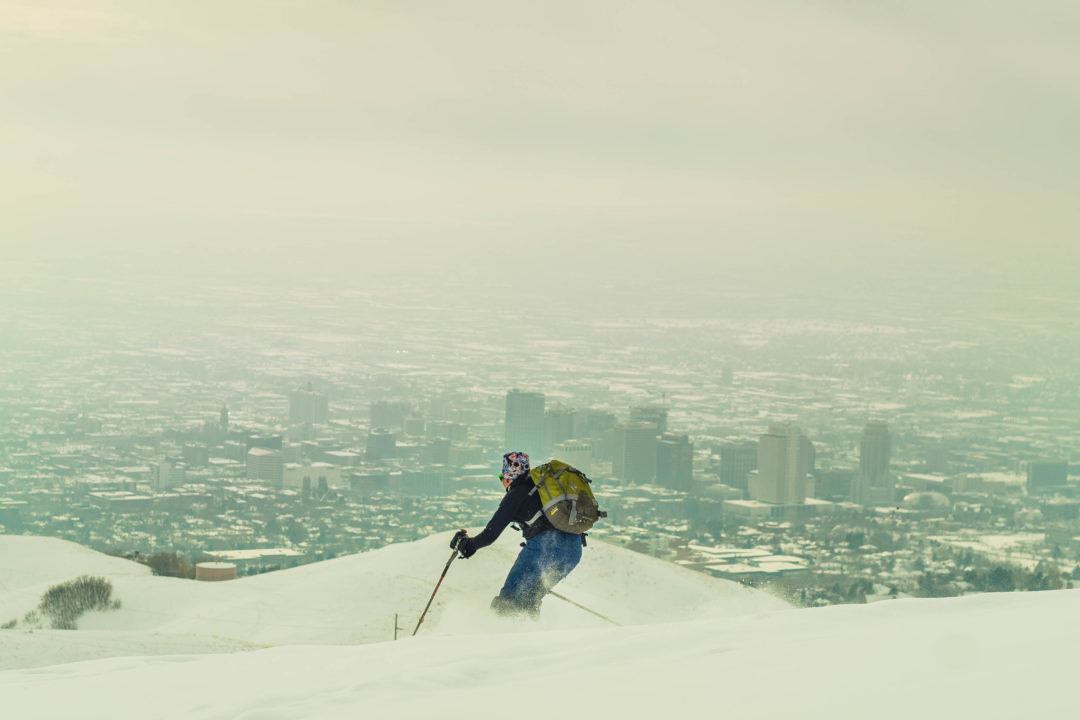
[
  {"x": 307, "y": 406},
  {"x": 874, "y": 484},
  {"x": 737, "y": 459},
  {"x": 783, "y": 466},
  {"x": 577, "y": 453},
  {"x": 167, "y": 474},
  {"x": 596, "y": 423},
  {"x": 381, "y": 444},
  {"x": 223, "y": 420},
  {"x": 265, "y": 464},
  {"x": 654, "y": 414},
  {"x": 635, "y": 452},
  {"x": 196, "y": 454},
  {"x": 389, "y": 414},
  {"x": 270, "y": 442},
  {"x": 598, "y": 426},
  {"x": 525, "y": 423},
  {"x": 233, "y": 450},
  {"x": 674, "y": 462},
  {"x": 834, "y": 483},
  {"x": 559, "y": 425},
  {"x": 1042, "y": 476}
]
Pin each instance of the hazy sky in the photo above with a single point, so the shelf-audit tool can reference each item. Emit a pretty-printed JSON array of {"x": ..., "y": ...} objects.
[{"x": 835, "y": 131}]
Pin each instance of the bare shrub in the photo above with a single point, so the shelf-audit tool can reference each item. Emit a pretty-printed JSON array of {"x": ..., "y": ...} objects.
[{"x": 63, "y": 604}]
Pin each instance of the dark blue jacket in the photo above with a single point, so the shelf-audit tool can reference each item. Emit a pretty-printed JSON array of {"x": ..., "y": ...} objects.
[{"x": 519, "y": 505}]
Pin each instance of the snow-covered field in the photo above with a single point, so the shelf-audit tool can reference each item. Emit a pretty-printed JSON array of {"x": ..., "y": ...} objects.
[
  {"x": 347, "y": 601},
  {"x": 689, "y": 644}
]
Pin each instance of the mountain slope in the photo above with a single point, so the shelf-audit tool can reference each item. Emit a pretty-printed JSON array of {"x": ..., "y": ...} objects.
[
  {"x": 349, "y": 600},
  {"x": 988, "y": 656}
]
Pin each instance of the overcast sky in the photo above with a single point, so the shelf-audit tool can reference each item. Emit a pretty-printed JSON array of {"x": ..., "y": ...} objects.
[{"x": 837, "y": 132}]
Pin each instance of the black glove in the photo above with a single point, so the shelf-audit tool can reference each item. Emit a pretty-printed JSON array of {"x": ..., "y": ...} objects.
[
  {"x": 467, "y": 548},
  {"x": 458, "y": 537}
]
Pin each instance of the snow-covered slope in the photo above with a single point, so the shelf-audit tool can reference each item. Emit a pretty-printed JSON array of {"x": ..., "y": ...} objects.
[
  {"x": 27, "y": 562},
  {"x": 350, "y": 600},
  {"x": 987, "y": 656}
]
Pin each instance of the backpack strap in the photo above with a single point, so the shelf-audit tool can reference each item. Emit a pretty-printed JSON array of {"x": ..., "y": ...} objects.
[
  {"x": 532, "y": 521},
  {"x": 539, "y": 512}
]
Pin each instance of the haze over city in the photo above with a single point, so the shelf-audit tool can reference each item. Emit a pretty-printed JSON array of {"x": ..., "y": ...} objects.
[{"x": 280, "y": 282}]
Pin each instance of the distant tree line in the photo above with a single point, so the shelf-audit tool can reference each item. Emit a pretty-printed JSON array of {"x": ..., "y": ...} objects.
[{"x": 168, "y": 564}]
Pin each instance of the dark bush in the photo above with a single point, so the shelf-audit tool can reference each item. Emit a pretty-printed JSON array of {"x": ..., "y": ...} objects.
[
  {"x": 169, "y": 564},
  {"x": 63, "y": 604}
]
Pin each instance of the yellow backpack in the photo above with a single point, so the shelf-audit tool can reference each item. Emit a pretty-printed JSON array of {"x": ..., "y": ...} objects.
[{"x": 566, "y": 499}]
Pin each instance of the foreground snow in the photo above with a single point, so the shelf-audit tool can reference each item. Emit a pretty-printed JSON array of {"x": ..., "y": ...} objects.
[
  {"x": 988, "y": 656},
  {"x": 314, "y": 642},
  {"x": 347, "y": 601}
]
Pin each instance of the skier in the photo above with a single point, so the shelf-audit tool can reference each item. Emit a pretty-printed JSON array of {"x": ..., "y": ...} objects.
[{"x": 548, "y": 555}]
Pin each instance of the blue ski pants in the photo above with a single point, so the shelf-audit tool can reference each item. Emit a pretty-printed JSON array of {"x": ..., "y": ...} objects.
[{"x": 545, "y": 560}]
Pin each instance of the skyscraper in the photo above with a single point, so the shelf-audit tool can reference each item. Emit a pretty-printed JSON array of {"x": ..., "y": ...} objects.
[
  {"x": 307, "y": 406},
  {"x": 874, "y": 484},
  {"x": 675, "y": 462},
  {"x": 381, "y": 444},
  {"x": 737, "y": 459},
  {"x": 635, "y": 452},
  {"x": 559, "y": 425},
  {"x": 575, "y": 452},
  {"x": 599, "y": 427},
  {"x": 525, "y": 422},
  {"x": 1042, "y": 476},
  {"x": 265, "y": 464},
  {"x": 655, "y": 414},
  {"x": 782, "y": 467},
  {"x": 389, "y": 414}
]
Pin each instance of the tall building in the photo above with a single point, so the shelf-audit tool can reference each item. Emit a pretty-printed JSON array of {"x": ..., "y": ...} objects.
[
  {"x": 737, "y": 459},
  {"x": 270, "y": 442},
  {"x": 635, "y": 452},
  {"x": 525, "y": 422},
  {"x": 598, "y": 426},
  {"x": 389, "y": 414},
  {"x": 223, "y": 419},
  {"x": 783, "y": 466},
  {"x": 167, "y": 474},
  {"x": 675, "y": 462},
  {"x": 577, "y": 453},
  {"x": 655, "y": 414},
  {"x": 834, "y": 483},
  {"x": 559, "y": 425},
  {"x": 265, "y": 464},
  {"x": 596, "y": 423},
  {"x": 308, "y": 406},
  {"x": 381, "y": 445},
  {"x": 1043, "y": 476},
  {"x": 196, "y": 454},
  {"x": 874, "y": 484}
]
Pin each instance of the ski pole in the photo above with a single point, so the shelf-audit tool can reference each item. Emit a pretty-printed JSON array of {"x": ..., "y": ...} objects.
[
  {"x": 566, "y": 599},
  {"x": 421, "y": 620}
]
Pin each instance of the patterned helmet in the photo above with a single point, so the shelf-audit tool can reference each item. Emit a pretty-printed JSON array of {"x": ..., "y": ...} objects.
[{"x": 515, "y": 464}]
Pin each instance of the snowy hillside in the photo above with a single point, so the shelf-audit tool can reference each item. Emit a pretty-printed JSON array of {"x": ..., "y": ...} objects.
[
  {"x": 350, "y": 600},
  {"x": 986, "y": 656}
]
